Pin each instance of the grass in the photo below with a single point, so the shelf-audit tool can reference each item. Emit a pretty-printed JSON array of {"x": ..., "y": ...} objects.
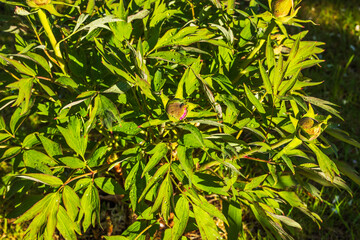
[{"x": 339, "y": 27}]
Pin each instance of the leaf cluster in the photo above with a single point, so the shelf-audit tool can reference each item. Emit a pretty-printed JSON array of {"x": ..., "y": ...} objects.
[{"x": 84, "y": 113}]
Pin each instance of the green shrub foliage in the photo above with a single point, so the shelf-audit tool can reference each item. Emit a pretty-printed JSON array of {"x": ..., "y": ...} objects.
[{"x": 165, "y": 105}]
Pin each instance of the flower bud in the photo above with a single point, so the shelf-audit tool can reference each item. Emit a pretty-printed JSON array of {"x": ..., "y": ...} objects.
[
  {"x": 309, "y": 130},
  {"x": 281, "y": 8},
  {"x": 37, "y": 3},
  {"x": 176, "y": 110}
]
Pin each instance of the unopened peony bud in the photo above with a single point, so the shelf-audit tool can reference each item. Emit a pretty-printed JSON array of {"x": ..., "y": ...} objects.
[
  {"x": 176, "y": 110},
  {"x": 37, "y": 3},
  {"x": 281, "y": 8},
  {"x": 309, "y": 130}
]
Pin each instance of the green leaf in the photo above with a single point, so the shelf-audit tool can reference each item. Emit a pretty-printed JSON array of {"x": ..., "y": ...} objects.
[
  {"x": 30, "y": 140},
  {"x": 108, "y": 109},
  {"x": 181, "y": 218},
  {"x": 245, "y": 34},
  {"x": 98, "y": 157},
  {"x": 162, "y": 193},
  {"x": 35, "y": 226},
  {"x": 65, "y": 225},
  {"x": 38, "y": 160},
  {"x": 206, "y": 225},
  {"x": 119, "y": 72},
  {"x": 52, "y": 148},
  {"x": 291, "y": 198},
  {"x": 25, "y": 87},
  {"x": 153, "y": 122},
  {"x": 86, "y": 94},
  {"x": 145, "y": 87},
  {"x": 254, "y": 100},
  {"x": 208, "y": 183},
  {"x": 16, "y": 3},
  {"x": 288, "y": 162},
  {"x": 42, "y": 178},
  {"x": 45, "y": 86},
  {"x": 161, "y": 13},
  {"x": 194, "y": 132},
  {"x": 10, "y": 152},
  {"x": 265, "y": 78},
  {"x": 72, "y": 162},
  {"x": 131, "y": 178},
  {"x": 343, "y": 136},
  {"x": 73, "y": 137},
  {"x": 255, "y": 182},
  {"x": 71, "y": 105},
  {"x": 268, "y": 224},
  {"x": 270, "y": 58},
  {"x": 185, "y": 36},
  {"x": 203, "y": 203},
  {"x": 278, "y": 75},
  {"x": 39, "y": 60},
  {"x": 82, "y": 183},
  {"x": 71, "y": 202},
  {"x": 37, "y": 208},
  {"x": 348, "y": 171},
  {"x": 158, "y": 81},
  {"x": 326, "y": 105},
  {"x": 325, "y": 163},
  {"x": 115, "y": 238},
  {"x": 294, "y": 50},
  {"x": 67, "y": 81},
  {"x": 232, "y": 211},
  {"x": 160, "y": 151},
  {"x": 154, "y": 179},
  {"x": 201, "y": 114},
  {"x": 109, "y": 185},
  {"x": 190, "y": 77},
  {"x": 122, "y": 30},
  {"x": 120, "y": 87},
  {"x": 15, "y": 118},
  {"x": 178, "y": 173},
  {"x": 98, "y": 23},
  {"x": 289, "y": 84},
  {"x": 292, "y": 69},
  {"x": 2, "y": 123},
  {"x": 173, "y": 57},
  {"x": 292, "y": 145},
  {"x": 165, "y": 206},
  {"x": 52, "y": 217},
  {"x": 47, "y": 218},
  {"x": 90, "y": 205},
  {"x": 128, "y": 128},
  {"x": 288, "y": 221},
  {"x": 19, "y": 66},
  {"x": 186, "y": 160},
  {"x": 139, "y": 15}
]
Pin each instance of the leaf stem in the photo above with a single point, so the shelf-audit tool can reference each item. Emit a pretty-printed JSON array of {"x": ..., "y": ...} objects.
[
  {"x": 147, "y": 228},
  {"x": 81, "y": 176}
]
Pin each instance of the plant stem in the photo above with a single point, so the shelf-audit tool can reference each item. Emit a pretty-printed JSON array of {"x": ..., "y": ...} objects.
[
  {"x": 45, "y": 22},
  {"x": 39, "y": 39},
  {"x": 77, "y": 177}
]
